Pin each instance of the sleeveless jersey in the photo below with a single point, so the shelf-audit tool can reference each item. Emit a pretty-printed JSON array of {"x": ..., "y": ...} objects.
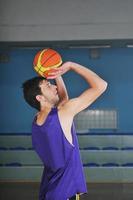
[{"x": 63, "y": 174}]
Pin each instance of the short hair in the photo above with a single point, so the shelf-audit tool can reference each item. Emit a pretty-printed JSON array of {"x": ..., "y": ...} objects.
[{"x": 31, "y": 88}]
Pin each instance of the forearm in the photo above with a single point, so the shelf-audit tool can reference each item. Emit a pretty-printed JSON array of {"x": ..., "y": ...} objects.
[
  {"x": 91, "y": 77},
  {"x": 62, "y": 91}
]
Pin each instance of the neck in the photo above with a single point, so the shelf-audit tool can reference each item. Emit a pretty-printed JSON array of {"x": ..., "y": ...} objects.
[{"x": 47, "y": 108}]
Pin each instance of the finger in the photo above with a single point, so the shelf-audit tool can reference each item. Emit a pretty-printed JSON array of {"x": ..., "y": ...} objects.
[
  {"x": 54, "y": 73},
  {"x": 56, "y": 70},
  {"x": 51, "y": 77}
]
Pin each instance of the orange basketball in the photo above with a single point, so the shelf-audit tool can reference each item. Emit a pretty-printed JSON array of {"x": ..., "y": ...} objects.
[{"x": 45, "y": 60}]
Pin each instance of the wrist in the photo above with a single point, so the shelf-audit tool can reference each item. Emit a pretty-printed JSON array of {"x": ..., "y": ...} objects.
[
  {"x": 70, "y": 65},
  {"x": 73, "y": 65}
]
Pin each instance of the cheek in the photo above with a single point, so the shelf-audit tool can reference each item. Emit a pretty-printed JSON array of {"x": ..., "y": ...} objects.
[{"x": 49, "y": 94}]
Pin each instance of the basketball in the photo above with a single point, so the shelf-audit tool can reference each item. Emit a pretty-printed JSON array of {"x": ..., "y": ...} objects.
[{"x": 45, "y": 60}]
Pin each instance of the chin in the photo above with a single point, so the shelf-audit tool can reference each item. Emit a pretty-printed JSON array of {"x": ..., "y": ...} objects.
[{"x": 57, "y": 100}]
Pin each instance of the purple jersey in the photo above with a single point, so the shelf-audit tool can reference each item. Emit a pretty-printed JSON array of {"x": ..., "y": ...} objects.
[{"x": 63, "y": 174}]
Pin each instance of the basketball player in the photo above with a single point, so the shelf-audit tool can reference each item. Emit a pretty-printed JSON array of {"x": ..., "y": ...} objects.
[{"x": 53, "y": 132}]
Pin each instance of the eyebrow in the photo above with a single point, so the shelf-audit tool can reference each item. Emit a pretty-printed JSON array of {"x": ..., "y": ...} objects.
[
  {"x": 48, "y": 83},
  {"x": 44, "y": 82}
]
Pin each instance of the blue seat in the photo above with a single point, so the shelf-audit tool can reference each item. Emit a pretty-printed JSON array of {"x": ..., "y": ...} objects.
[
  {"x": 3, "y": 148},
  {"x": 127, "y": 165},
  {"x": 110, "y": 165},
  {"x": 13, "y": 164},
  {"x": 91, "y": 148},
  {"x": 91, "y": 165},
  {"x": 17, "y": 148},
  {"x": 110, "y": 148},
  {"x": 127, "y": 148}
]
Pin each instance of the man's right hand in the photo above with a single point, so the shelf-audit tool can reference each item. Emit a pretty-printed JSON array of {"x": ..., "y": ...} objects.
[{"x": 54, "y": 73}]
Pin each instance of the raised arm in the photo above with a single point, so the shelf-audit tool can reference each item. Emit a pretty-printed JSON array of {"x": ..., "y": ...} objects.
[
  {"x": 62, "y": 91},
  {"x": 98, "y": 86},
  {"x": 96, "y": 83}
]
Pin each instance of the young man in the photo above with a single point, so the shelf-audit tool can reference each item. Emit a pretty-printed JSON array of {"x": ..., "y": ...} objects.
[{"x": 53, "y": 133}]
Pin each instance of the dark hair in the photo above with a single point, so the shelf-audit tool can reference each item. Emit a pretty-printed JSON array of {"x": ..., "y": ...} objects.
[{"x": 31, "y": 89}]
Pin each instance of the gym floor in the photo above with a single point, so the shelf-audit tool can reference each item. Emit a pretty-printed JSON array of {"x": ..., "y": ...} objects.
[{"x": 96, "y": 191}]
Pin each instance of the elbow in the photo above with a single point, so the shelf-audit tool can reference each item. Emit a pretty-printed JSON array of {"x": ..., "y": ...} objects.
[{"x": 104, "y": 86}]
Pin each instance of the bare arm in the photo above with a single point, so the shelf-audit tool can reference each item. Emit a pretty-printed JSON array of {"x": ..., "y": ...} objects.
[
  {"x": 98, "y": 86},
  {"x": 62, "y": 91}
]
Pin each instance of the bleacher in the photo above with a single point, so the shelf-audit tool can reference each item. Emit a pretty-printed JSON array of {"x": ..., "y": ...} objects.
[{"x": 106, "y": 157}]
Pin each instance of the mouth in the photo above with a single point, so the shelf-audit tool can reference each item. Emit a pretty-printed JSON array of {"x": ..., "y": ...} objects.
[{"x": 56, "y": 93}]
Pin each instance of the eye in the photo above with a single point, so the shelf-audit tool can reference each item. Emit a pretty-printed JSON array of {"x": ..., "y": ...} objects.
[{"x": 48, "y": 84}]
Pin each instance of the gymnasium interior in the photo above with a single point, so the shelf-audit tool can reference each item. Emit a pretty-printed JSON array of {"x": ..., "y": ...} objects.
[{"x": 97, "y": 35}]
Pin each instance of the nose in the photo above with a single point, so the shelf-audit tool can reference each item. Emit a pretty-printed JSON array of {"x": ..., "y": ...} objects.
[{"x": 55, "y": 86}]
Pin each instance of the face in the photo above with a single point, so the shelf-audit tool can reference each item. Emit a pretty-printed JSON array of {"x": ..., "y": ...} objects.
[{"x": 49, "y": 92}]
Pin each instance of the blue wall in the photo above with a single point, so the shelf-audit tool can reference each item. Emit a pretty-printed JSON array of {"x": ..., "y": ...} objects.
[{"x": 114, "y": 66}]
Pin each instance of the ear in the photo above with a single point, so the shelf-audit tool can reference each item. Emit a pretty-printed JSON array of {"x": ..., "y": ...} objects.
[{"x": 38, "y": 97}]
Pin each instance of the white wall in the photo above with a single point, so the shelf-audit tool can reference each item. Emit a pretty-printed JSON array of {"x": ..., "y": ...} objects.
[{"x": 48, "y": 20}]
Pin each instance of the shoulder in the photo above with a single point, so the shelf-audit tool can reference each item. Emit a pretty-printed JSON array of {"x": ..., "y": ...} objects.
[
  {"x": 41, "y": 118},
  {"x": 67, "y": 107},
  {"x": 64, "y": 110}
]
